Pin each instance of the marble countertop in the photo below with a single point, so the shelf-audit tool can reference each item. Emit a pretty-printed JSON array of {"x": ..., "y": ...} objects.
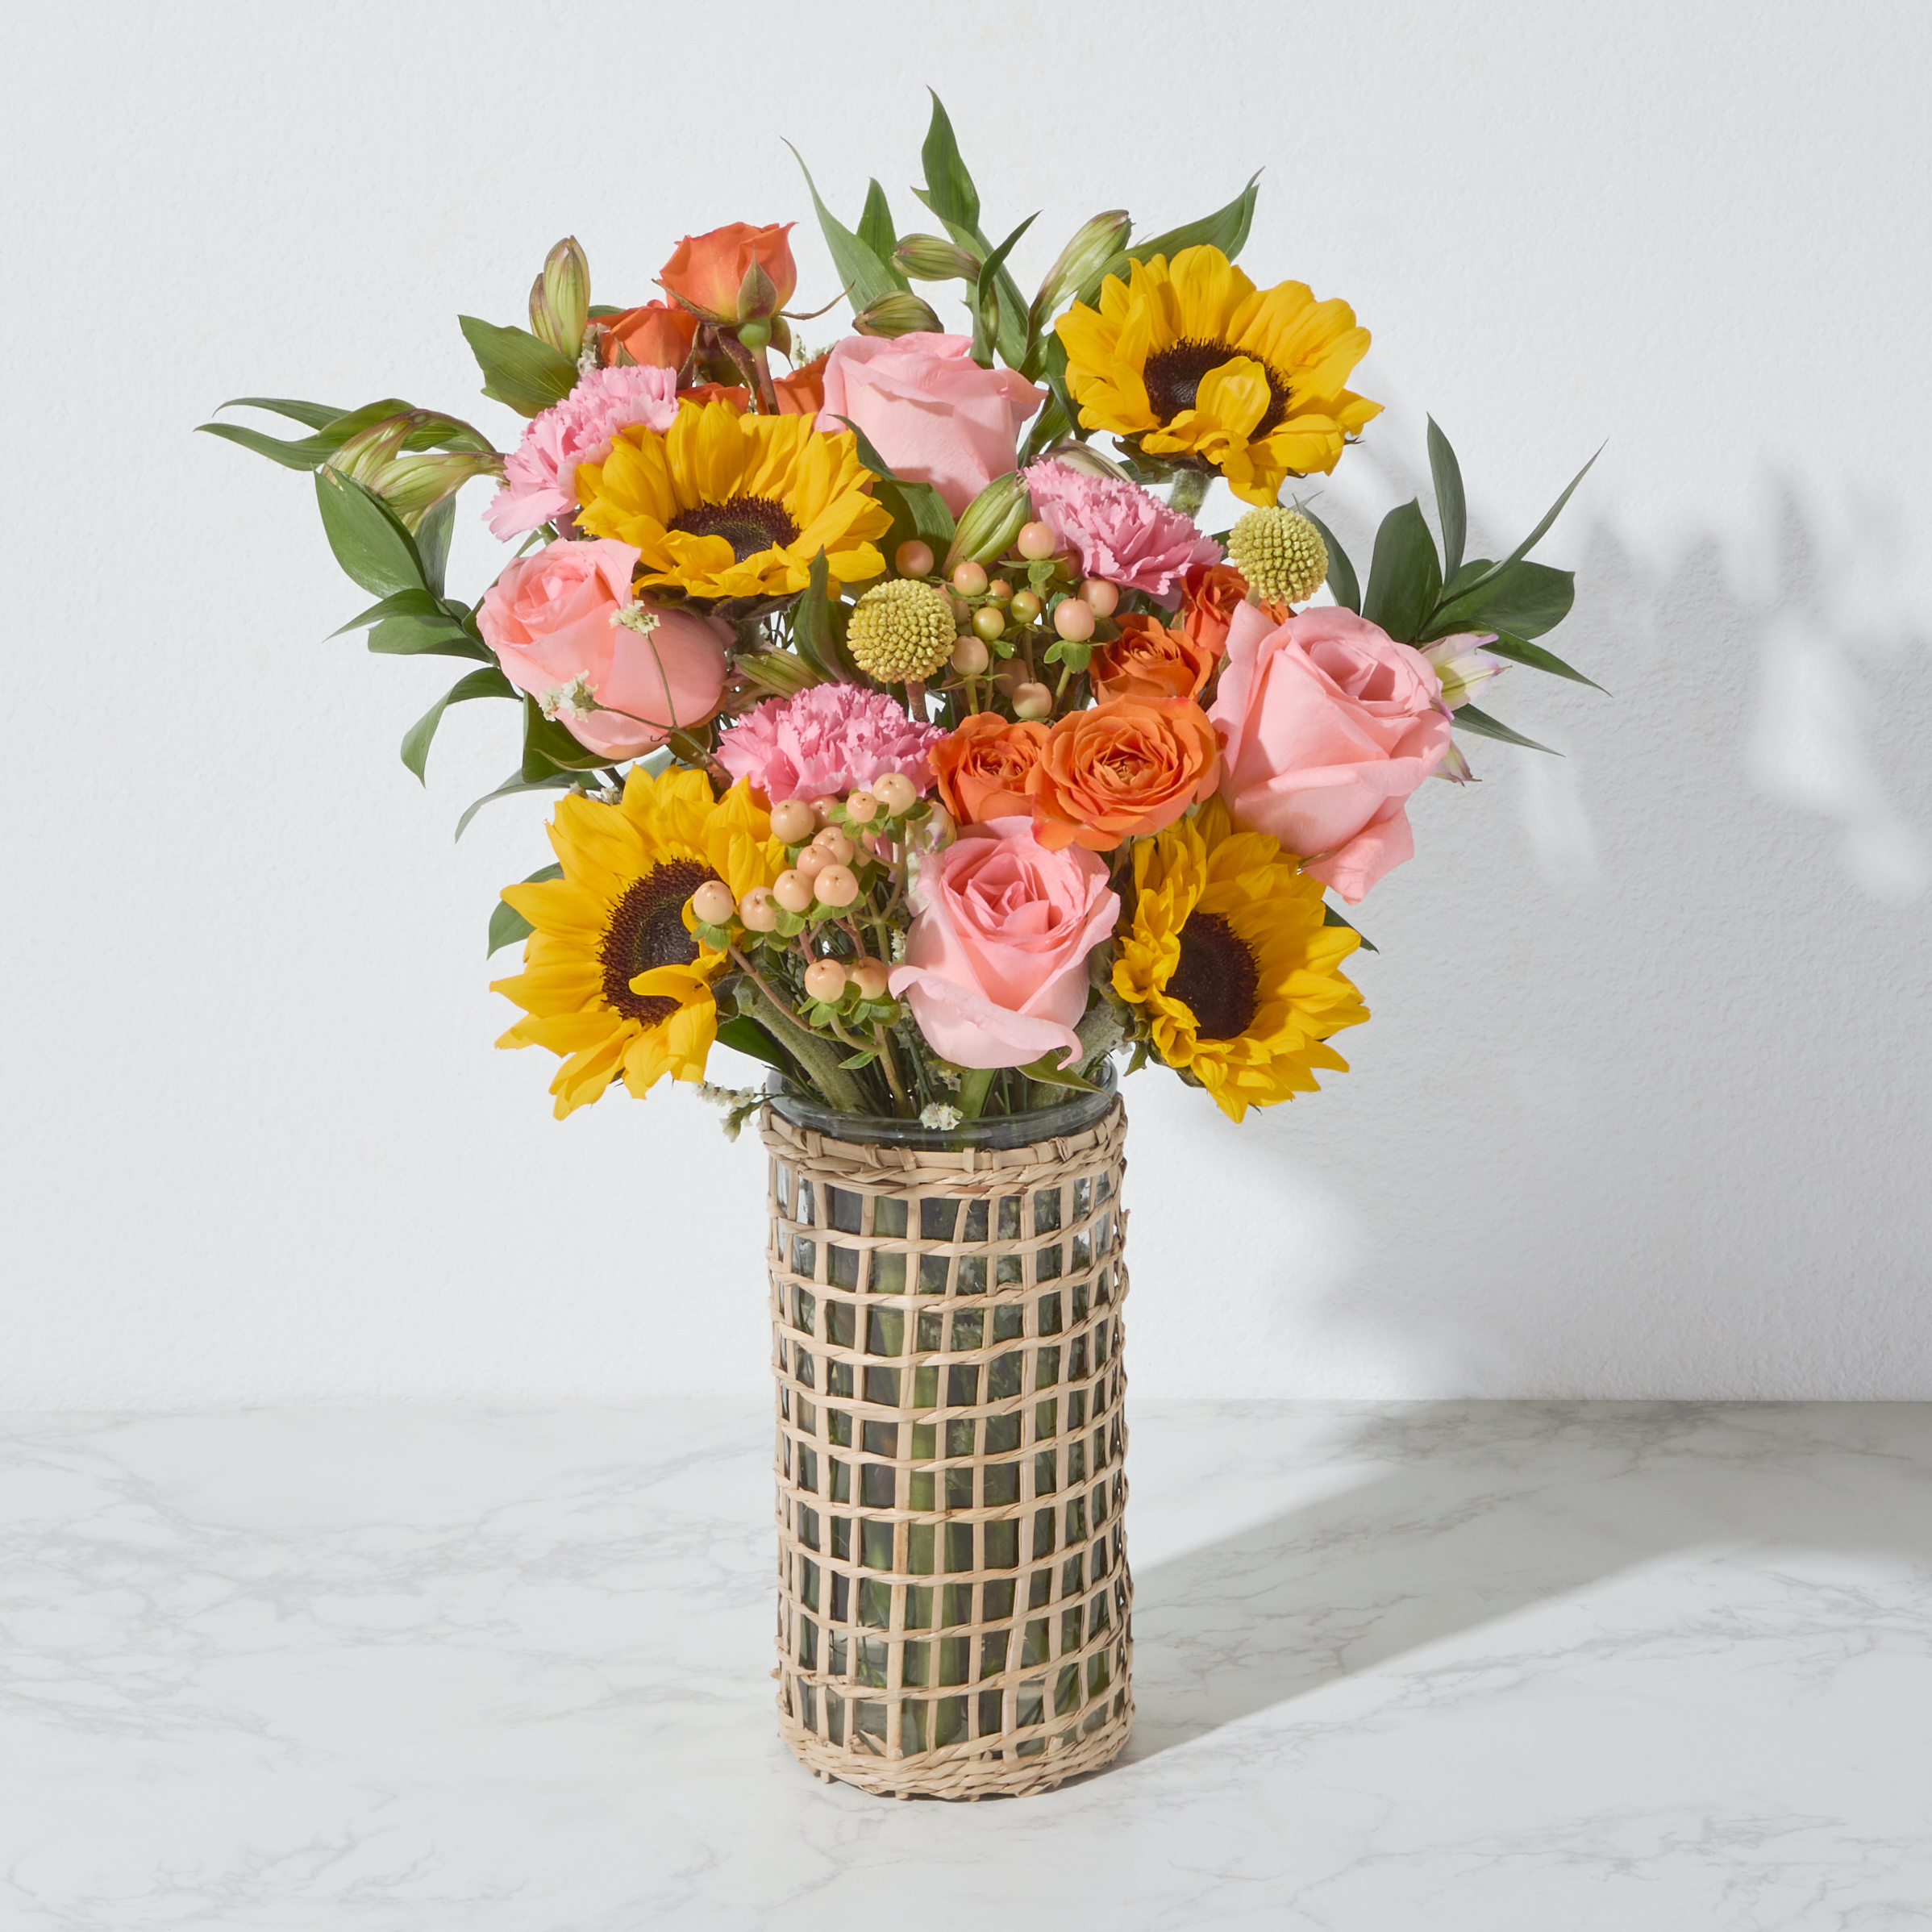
[{"x": 1504, "y": 1667}]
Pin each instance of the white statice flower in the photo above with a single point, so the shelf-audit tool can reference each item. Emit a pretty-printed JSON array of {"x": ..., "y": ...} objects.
[
  {"x": 935, "y": 1114},
  {"x": 636, "y": 616},
  {"x": 573, "y": 700},
  {"x": 737, "y": 1104}
]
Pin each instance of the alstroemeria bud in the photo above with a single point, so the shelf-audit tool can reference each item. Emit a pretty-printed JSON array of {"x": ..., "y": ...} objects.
[
  {"x": 378, "y": 458},
  {"x": 1081, "y": 260},
  {"x": 990, "y": 522},
  {"x": 1087, "y": 460},
  {"x": 413, "y": 486},
  {"x": 899, "y": 313},
  {"x": 932, "y": 258},
  {"x": 1461, "y": 667},
  {"x": 559, "y": 301}
]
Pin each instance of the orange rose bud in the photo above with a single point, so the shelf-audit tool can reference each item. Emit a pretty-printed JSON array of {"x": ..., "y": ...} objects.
[
  {"x": 736, "y": 273},
  {"x": 1150, "y": 659},
  {"x": 980, "y": 770},
  {"x": 659, "y": 334},
  {"x": 1121, "y": 770}
]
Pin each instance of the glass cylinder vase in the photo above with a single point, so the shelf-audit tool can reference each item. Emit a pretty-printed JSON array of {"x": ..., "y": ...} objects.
[{"x": 953, "y": 1592}]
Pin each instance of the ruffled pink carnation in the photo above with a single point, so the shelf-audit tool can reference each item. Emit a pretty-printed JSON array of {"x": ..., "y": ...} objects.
[
  {"x": 1119, "y": 530},
  {"x": 539, "y": 478},
  {"x": 825, "y": 742}
]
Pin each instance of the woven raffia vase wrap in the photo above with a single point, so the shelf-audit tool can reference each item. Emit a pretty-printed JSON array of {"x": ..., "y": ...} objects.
[{"x": 953, "y": 1592}]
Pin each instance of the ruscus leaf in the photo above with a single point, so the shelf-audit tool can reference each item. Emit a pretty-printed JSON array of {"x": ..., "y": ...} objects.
[
  {"x": 1451, "y": 508},
  {"x": 1406, "y": 578}
]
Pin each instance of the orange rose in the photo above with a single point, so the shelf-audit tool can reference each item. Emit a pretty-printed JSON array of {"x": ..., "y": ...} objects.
[
  {"x": 1123, "y": 769},
  {"x": 802, "y": 393},
  {"x": 981, "y": 769},
  {"x": 659, "y": 334},
  {"x": 1212, "y": 596},
  {"x": 740, "y": 397},
  {"x": 1151, "y": 659},
  {"x": 736, "y": 273}
]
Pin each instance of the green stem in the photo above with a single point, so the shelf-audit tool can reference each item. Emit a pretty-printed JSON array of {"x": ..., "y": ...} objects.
[
  {"x": 812, "y": 1053},
  {"x": 1189, "y": 491},
  {"x": 973, "y": 1086}
]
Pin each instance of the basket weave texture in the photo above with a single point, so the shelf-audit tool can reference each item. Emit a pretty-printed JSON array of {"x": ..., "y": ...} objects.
[{"x": 953, "y": 1589}]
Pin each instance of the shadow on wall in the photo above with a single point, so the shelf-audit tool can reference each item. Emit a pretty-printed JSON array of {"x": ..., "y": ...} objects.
[
  {"x": 1653, "y": 1124},
  {"x": 1479, "y": 1511}
]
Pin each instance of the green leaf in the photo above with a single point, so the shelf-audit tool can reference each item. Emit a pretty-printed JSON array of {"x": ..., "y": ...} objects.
[
  {"x": 1451, "y": 506},
  {"x": 317, "y": 415},
  {"x": 950, "y": 192},
  {"x": 433, "y": 533},
  {"x": 488, "y": 683},
  {"x": 367, "y": 536},
  {"x": 989, "y": 314},
  {"x": 1522, "y": 599},
  {"x": 1340, "y": 572},
  {"x": 1468, "y": 718},
  {"x": 507, "y": 924},
  {"x": 1226, "y": 229},
  {"x": 1047, "y": 1071},
  {"x": 746, "y": 1036},
  {"x": 814, "y": 635},
  {"x": 301, "y": 453},
  {"x": 426, "y": 637},
  {"x": 1550, "y": 516},
  {"x": 1520, "y": 650},
  {"x": 974, "y": 1082},
  {"x": 518, "y": 368},
  {"x": 1406, "y": 578},
  {"x": 917, "y": 509},
  {"x": 875, "y": 229},
  {"x": 548, "y": 747},
  {"x": 554, "y": 781},
  {"x": 1330, "y": 917},
  {"x": 866, "y": 276},
  {"x": 404, "y": 603}
]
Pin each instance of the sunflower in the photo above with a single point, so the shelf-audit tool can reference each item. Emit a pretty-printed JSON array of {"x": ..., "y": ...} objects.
[
  {"x": 611, "y": 978},
  {"x": 1189, "y": 360},
  {"x": 733, "y": 509},
  {"x": 1228, "y": 959}
]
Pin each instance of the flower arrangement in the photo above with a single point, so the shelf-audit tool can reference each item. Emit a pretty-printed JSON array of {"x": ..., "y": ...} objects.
[{"x": 907, "y": 739}]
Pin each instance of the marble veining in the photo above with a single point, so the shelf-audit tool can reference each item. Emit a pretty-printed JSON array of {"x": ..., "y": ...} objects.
[{"x": 1501, "y": 1667}]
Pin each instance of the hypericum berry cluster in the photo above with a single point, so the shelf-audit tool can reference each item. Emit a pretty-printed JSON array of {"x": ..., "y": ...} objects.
[
  {"x": 810, "y": 923},
  {"x": 1054, "y": 617}
]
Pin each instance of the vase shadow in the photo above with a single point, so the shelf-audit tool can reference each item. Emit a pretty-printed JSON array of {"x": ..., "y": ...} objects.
[{"x": 1491, "y": 1509}]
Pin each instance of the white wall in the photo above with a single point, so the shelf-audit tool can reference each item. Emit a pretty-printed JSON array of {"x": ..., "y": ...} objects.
[{"x": 1643, "y": 1107}]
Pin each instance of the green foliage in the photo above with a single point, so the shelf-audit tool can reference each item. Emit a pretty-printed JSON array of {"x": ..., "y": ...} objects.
[
  {"x": 1340, "y": 572},
  {"x": 1451, "y": 506},
  {"x": 489, "y": 682},
  {"x": 950, "y": 193},
  {"x": 306, "y": 453},
  {"x": 367, "y": 536},
  {"x": 507, "y": 924},
  {"x": 1468, "y": 718},
  {"x": 518, "y": 369},
  {"x": 746, "y": 1036},
  {"x": 1406, "y": 579},
  {"x": 1330, "y": 917},
  {"x": 988, "y": 315},
  {"x": 1522, "y": 599},
  {"x": 876, "y": 231},
  {"x": 553, "y": 781},
  {"x": 817, "y": 625},
  {"x": 866, "y": 271},
  {"x": 1521, "y": 650},
  {"x": 548, "y": 748},
  {"x": 1226, "y": 229}
]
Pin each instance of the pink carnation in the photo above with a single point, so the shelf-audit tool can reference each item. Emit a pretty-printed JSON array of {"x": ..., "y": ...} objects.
[
  {"x": 539, "y": 478},
  {"x": 1119, "y": 530},
  {"x": 827, "y": 740}
]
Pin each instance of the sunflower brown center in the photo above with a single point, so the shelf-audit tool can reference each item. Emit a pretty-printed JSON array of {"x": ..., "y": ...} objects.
[
  {"x": 1172, "y": 376},
  {"x": 748, "y": 524},
  {"x": 646, "y": 929},
  {"x": 1216, "y": 978}
]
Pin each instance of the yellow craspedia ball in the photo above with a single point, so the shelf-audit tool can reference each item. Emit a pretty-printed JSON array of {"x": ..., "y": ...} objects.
[
  {"x": 1280, "y": 553},
  {"x": 901, "y": 630}
]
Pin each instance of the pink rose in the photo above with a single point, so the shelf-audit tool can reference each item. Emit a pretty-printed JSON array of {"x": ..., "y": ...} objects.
[
  {"x": 1327, "y": 724},
  {"x": 929, "y": 409},
  {"x": 996, "y": 962},
  {"x": 618, "y": 687}
]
